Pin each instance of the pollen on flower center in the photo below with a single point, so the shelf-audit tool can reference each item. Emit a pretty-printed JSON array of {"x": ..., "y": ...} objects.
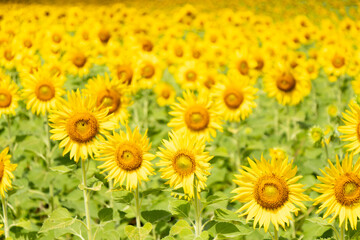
[
  {"x": 147, "y": 46},
  {"x": 190, "y": 76},
  {"x": 165, "y": 93},
  {"x": 148, "y": 71},
  {"x": 109, "y": 98},
  {"x": 45, "y": 91},
  {"x": 347, "y": 189},
  {"x": 271, "y": 192},
  {"x": 184, "y": 163},
  {"x": 338, "y": 61},
  {"x": 82, "y": 127},
  {"x": 8, "y": 55},
  {"x": 2, "y": 166},
  {"x": 286, "y": 82},
  {"x": 243, "y": 67},
  {"x": 233, "y": 98},
  {"x": 79, "y": 60},
  {"x": 125, "y": 73},
  {"x": 197, "y": 118},
  {"x": 104, "y": 35},
  {"x": 5, "y": 98},
  {"x": 128, "y": 156}
]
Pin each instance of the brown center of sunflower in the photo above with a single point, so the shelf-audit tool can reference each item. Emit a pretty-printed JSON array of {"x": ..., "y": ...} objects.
[
  {"x": 260, "y": 64},
  {"x": 286, "y": 82},
  {"x": 209, "y": 82},
  {"x": 190, "y": 76},
  {"x": 27, "y": 43},
  {"x": 147, "y": 46},
  {"x": 165, "y": 93},
  {"x": 79, "y": 59},
  {"x": 104, "y": 35},
  {"x": 347, "y": 189},
  {"x": 8, "y": 55},
  {"x": 82, "y": 127},
  {"x": 55, "y": 71},
  {"x": 179, "y": 51},
  {"x": 338, "y": 61},
  {"x": 243, "y": 67},
  {"x": 233, "y": 98},
  {"x": 310, "y": 69},
  {"x": 148, "y": 71},
  {"x": 271, "y": 192},
  {"x": 5, "y": 98},
  {"x": 125, "y": 73},
  {"x": 109, "y": 98},
  {"x": 196, "y": 54},
  {"x": 85, "y": 35},
  {"x": 45, "y": 91},
  {"x": 56, "y": 38},
  {"x": 184, "y": 163},
  {"x": 128, "y": 156},
  {"x": 197, "y": 117}
]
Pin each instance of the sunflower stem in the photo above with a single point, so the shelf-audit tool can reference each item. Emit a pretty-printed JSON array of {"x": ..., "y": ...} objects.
[
  {"x": 288, "y": 123},
  {"x": 86, "y": 199},
  {"x": 5, "y": 216},
  {"x": 49, "y": 161},
  {"x": 111, "y": 193},
  {"x": 197, "y": 205},
  {"x": 9, "y": 134},
  {"x": 276, "y": 235},
  {"x": 137, "y": 207},
  {"x": 326, "y": 150},
  {"x": 342, "y": 234},
  {"x": 276, "y": 121},
  {"x": 146, "y": 112}
]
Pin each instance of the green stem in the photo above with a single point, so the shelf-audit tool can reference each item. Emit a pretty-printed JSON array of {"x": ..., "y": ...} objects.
[
  {"x": 9, "y": 134},
  {"x": 288, "y": 123},
  {"x": 86, "y": 199},
  {"x": 5, "y": 216},
  {"x": 49, "y": 161},
  {"x": 111, "y": 193},
  {"x": 326, "y": 150},
  {"x": 197, "y": 205},
  {"x": 276, "y": 235},
  {"x": 342, "y": 234},
  {"x": 146, "y": 112},
  {"x": 137, "y": 207},
  {"x": 276, "y": 121}
]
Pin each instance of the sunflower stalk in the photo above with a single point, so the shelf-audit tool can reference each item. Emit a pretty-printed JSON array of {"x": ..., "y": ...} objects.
[
  {"x": 137, "y": 207},
  {"x": 49, "y": 161},
  {"x": 86, "y": 199},
  {"x": 326, "y": 149},
  {"x": 276, "y": 234},
  {"x": 111, "y": 193},
  {"x": 197, "y": 205},
  {"x": 342, "y": 232},
  {"x": 9, "y": 134},
  {"x": 5, "y": 216}
]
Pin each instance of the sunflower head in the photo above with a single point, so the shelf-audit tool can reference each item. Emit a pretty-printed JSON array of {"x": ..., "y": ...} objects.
[
  {"x": 126, "y": 156},
  {"x": 269, "y": 191},
  {"x": 6, "y": 169},
  {"x": 351, "y": 129},
  {"x": 9, "y": 96}
]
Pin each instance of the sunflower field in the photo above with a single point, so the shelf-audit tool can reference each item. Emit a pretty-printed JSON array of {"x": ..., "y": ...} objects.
[{"x": 183, "y": 120}]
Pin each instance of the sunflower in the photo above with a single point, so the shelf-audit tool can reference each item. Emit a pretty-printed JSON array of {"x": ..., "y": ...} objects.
[
  {"x": 236, "y": 97},
  {"x": 41, "y": 90},
  {"x": 287, "y": 85},
  {"x": 340, "y": 191},
  {"x": 78, "y": 61},
  {"x": 197, "y": 116},
  {"x": 126, "y": 156},
  {"x": 270, "y": 192},
  {"x": 190, "y": 74},
  {"x": 148, "y": 71},
  {"x": 9, "y": 96},
  {"x": 182, "y": 160},
  {"x": 351, "y": 130},
  {"x": 165, "y": 94},
  {"x": 111, "y": 95},
  {"x": 6, "y": 169},
  {"x": 78, "y": 123}
]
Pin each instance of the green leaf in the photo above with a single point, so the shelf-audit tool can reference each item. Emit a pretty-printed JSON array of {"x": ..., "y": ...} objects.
[
  {"x": 225, "y": 227},
  {"x": 180, "y": 207},
  {"x": 319, "y": 221},
  {"x": 124, "y": 197},
  {"x": 183, "y": 229},
  {"x": 135, "y": 233},
  {"x": 156, "y": 215},
  {"x": 105, "y": 214},
  {"x": 60, "y": 218},
  {"x": 226, "y": 215},
  {"x": 203, "y": 236},
  {"x": 63, "y": 169}
]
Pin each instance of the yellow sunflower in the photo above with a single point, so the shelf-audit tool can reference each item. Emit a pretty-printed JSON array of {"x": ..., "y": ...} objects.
[
  {"x": 78, "y": 123},
  {"x": 287, "y": 85},
  {"x": 9, "y": 96},
  {"x": 126, "y": 156},
  {"x": 111, "y": 95},
  {"x": 148, "y": 71},
  {"x": 190, "y": 74},
  {"x": 197, "y": 116},
  {"x": 236, "y": 97},
  {"x": 182, "y": 161},
  {"x": 41, "y": 90},
  {"x": 270, "y": 192},
  {"x": 165, "y": 94},
  {"x": 6, "y": 169},
  {"x": 340, "y": 191},
  {"x": 351, "y": 130}
]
